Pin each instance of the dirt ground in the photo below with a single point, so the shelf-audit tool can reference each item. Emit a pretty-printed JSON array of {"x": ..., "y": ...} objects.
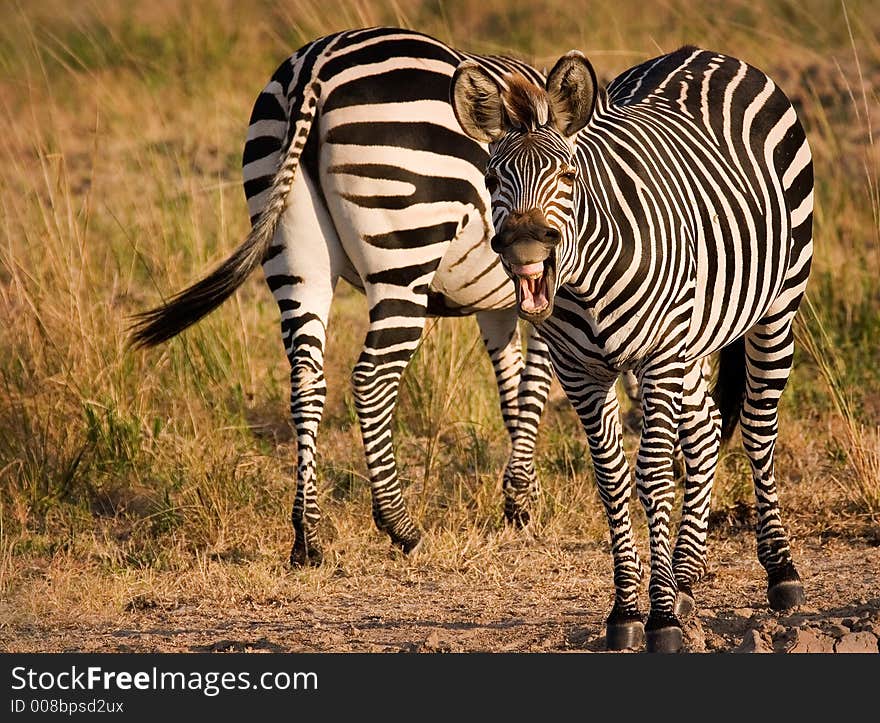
[{"x": 542, "y": 597}]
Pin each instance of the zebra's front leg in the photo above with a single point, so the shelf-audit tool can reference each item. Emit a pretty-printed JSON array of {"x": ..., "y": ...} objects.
[
  {"x": 522, "y": 390},
  {"x": 599, "y": 412},
  {"x": 661, "y": 386},
  {"x": 699, "y": 434},
  {"x": 521, "y": 484},
  {"x": 388, "y": 348}
]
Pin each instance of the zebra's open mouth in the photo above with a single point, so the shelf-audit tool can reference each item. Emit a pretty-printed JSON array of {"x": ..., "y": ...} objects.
[{"x": 534, "y": 288}]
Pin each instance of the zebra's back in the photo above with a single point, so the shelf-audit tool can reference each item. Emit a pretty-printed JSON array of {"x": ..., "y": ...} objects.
[{"x": 706, "y": 146}]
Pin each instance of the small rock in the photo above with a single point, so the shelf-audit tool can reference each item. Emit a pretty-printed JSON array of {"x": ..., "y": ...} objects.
[
  {"x": 770, "y": 628},
  {"x": 433, "y": 644},
  {"x": 714, "y": 643},
  {"x": 808, "y": 610},
  {"x": 754, "y": 642},
  {"x": 432, "y": 640},
  {"x": 863, "y": 642},
  {"x": 837, "y": 631},
  {"x": 866, "y": 626},
  {"x": 743, "y": 612},
  {"x": 809, "y": 640},
  {"x": 694, "y": 635}
]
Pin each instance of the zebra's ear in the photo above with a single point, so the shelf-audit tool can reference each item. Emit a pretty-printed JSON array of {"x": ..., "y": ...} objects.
[
  {"x": 573, "y": 88},
  {"x": 476, "y": 101}
]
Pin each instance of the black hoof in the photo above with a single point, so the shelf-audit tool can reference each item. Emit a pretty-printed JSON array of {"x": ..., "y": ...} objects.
[
  {"x": 663, "y": 640},
  {"x": 517, "y": 518},
  {"x": 303, "y": 555},
  {"x": 663, "y": 634},
  {"x": 625, "y": 636},
  {"x": 624, "y": 630},
  {"x": 408, "y": 544},
  {"x": 784, "y": 588},
  {"x": 684, "y": 602}
]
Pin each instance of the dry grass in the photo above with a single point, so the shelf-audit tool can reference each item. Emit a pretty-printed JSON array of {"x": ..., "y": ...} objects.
[{"x": 156, "y": 475}]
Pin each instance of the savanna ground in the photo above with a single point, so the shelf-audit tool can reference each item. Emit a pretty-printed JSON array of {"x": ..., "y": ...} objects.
[{"x": 144, "y": 496}]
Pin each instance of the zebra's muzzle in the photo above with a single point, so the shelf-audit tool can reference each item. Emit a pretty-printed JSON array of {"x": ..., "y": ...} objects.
[{"x": 527, "y": 245}]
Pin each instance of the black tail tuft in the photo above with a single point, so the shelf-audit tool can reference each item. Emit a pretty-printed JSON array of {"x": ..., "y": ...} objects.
[
  {"x": 183, "y": 309},
  {"x": 192, "y": 304},
  {"x": 730, "y": 386}
]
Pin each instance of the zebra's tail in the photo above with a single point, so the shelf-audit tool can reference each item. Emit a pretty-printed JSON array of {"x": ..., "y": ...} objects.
[
  {"x": 730, "y": 386},
  {"x": 187, "y": 307}
]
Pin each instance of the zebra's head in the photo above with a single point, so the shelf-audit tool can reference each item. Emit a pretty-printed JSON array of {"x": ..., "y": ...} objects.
[{"x": 532, "y": 173}]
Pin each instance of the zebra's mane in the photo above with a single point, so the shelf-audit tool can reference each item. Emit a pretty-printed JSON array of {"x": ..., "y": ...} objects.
[{"x": 527, "y": 105}]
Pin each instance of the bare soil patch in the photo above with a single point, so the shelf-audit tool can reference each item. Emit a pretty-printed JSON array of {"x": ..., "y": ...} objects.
[{"x": 541, "y": 596}]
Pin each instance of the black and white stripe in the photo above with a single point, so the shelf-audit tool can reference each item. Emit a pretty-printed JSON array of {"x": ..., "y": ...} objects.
[
  {"x": 354, "y": 167},
  {"x": 647, "y": 227}
]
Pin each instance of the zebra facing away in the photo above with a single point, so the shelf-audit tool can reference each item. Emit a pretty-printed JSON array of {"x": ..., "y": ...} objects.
[
  {"x": 646, "y": 226},
  {"x": 355, "y": 167}
]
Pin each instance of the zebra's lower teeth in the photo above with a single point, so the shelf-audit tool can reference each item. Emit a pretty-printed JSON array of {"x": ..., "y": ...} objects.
[{"x": 533, "y": 293}]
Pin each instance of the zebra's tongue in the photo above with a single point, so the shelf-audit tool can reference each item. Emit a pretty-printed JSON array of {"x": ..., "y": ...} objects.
[{"x": 532, "y": 287}]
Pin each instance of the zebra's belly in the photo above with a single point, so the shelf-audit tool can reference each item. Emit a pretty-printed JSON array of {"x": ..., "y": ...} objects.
[{"x": 732, "y": 296}]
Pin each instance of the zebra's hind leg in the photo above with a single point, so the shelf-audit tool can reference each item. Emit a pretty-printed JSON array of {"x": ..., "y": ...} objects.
[
  {"x": 599, "y": 412},
  {"x": 534, "y": 388},
  {"x": 522, "y": 390},
  {"x": 769, "y": 351},
  {"x": 699, "y": 434},
  {"x": 301, "y": 271},
  {"x": 308, "y": 392},
  {"x": 396, "y": 326}
]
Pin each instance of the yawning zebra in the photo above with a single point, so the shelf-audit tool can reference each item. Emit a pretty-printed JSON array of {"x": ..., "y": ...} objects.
[{"x": 647, "y": 226}]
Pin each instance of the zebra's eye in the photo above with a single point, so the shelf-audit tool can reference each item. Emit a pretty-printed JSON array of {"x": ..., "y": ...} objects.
[
  {"x": 491, "y": 182},
  {"x": 568, "y": 175}
]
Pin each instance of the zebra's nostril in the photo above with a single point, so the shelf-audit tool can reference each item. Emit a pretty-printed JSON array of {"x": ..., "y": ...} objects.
[{"x": 496, "y": 243}]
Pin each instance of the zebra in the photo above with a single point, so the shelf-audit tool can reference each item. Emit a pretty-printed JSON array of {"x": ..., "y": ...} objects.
[
  {"x": 355, "y": 167},
  {"x": 648, "y": 225}
]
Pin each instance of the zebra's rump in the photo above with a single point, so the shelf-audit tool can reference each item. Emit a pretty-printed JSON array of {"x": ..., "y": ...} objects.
[{"x": 403, "y": 186}]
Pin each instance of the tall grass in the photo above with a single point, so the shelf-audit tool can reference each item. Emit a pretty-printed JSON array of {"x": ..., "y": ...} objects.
[
  {"x": 119, "y": 184},
  {"x": 860, "y": 441}
]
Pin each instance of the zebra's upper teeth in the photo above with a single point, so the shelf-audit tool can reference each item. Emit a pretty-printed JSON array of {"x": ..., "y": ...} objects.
[{"x": 528, "y": 271}]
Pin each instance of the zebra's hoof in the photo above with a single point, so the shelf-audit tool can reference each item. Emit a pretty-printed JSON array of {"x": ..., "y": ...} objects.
[
  {"x": 663, "y": 634},
  {"x": 784, "y": 589},
  {"x": 408, "y": 544},
  {"x": 518, "y": 518},
  {"x": 684, "y": 602},
  {"x": 624, "y": 630},
  {"x": 303, "y": 555}
]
